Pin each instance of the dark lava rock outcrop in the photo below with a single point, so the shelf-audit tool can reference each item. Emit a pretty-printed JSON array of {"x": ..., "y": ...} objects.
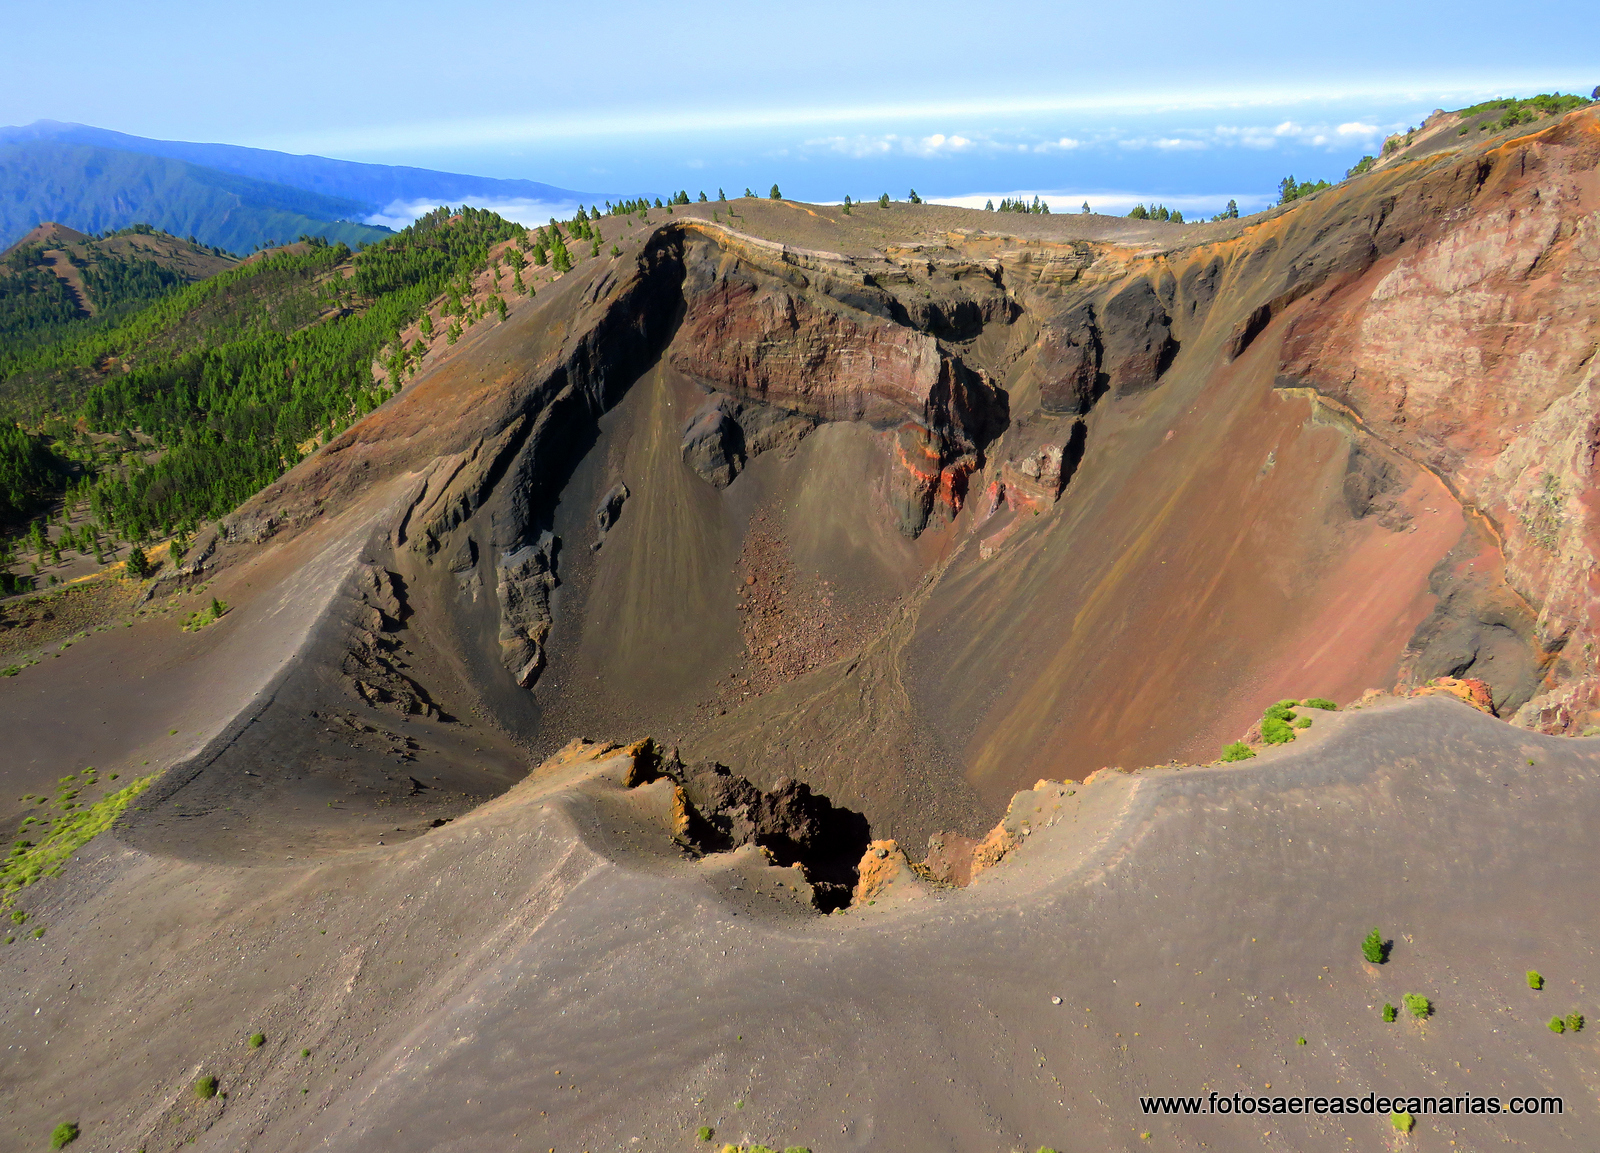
[{"x": 719, "y": 811}]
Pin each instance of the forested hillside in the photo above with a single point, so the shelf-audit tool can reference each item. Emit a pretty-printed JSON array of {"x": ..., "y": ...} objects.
[
  {"x": 188, "y": 406},
  {"x": 58, "y": 282}
]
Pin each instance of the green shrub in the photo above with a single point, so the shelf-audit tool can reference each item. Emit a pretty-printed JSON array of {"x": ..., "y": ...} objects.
[
  {"x": 206, "y": 1087},
  {"x": 1575, "y": 1022},
  {"x": 1402, "y": 1121},
  {"x": 1238, "y": 751},
  {"x": 1275, "y": 731},
  {"x": 1390, "y": 1013},
  {"x": 1302, "y": 1041},
  {"x": 1417, "y": 1005},
  {"x": 305, "y": 1052},
  {"x": 1557, "y": 1025},
  {"x": 64, "y": 1134},
  {"x": 803, "y": 1149},
  {"x": 1303, "y": 723},
  {"x": 1373, "y": 949},
  {"x": 212, "y": 613},
  {"x": 1535, "y": 980},
  {"x": 257, "y": 1040},
  {"x": 704, "y": 1133}
]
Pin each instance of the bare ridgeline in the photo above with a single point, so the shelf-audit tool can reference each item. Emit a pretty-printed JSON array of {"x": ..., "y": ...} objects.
[{"x": 930, "y": 560}]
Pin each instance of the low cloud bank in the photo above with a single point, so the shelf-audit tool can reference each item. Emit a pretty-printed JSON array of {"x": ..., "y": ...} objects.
[{"x": 525, "y": 212}]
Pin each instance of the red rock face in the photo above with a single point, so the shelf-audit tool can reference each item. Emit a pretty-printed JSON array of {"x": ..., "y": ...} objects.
[
  {"x": 1471, "y": 349},
  {"x": 758, "y": 339},
  {"x": 766, "y": 344}
]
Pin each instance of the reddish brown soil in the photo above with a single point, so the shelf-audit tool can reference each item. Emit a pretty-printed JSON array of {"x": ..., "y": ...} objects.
[{"x": 791, "y": 623}]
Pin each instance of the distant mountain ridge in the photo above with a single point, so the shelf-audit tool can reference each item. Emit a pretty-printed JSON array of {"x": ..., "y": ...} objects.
[
  {"x": 373, "y": 186},
  {"x": 93, "y": 189}
]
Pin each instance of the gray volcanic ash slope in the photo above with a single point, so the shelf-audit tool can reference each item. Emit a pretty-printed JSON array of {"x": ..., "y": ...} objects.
[{"x": 550, "y": 972}]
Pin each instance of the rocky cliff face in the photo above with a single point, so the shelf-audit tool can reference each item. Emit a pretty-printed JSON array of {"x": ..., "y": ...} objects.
[
  {"x": 1466, "y": 341},
  {"x": 762, "y": 334}
]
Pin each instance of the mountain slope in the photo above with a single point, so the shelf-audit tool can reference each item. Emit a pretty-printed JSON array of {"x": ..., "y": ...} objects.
[
  {"x": 375, "y": 186},
  {"x": 96, "y": 189},
  {"x": 111, "y": 274}
]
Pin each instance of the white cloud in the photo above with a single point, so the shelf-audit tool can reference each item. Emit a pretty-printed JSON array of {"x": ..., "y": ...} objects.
[
  {"x": 1065, "y": 144},
  {"x": 525, "y": 212},
  {"x": 1290, "y": 132},
  {"x": 540, "y": 125},
  {"x": 867, "y": 147}
]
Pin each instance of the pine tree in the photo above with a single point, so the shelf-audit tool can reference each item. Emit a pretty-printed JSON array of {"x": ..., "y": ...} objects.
[
  {"x": 988, "y": 206},
  {"x": 914, "y": 198},
  {"x": 774, "y": 194},
  {"x": 722, "y": 196},
  {"x": 702, "y": 196},
  {"x": 1085, "y": 209},
  {"x": 138, "y": 564},
  {"x": 883, "y": 201}
]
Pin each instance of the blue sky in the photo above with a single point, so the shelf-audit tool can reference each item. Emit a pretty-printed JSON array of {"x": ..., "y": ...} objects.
[{"x": 1187, "y": 104}]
